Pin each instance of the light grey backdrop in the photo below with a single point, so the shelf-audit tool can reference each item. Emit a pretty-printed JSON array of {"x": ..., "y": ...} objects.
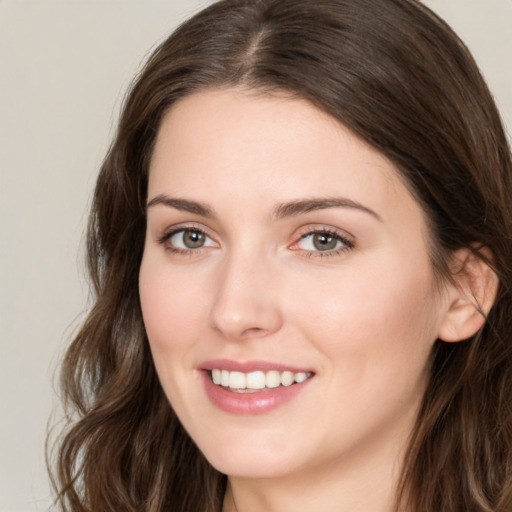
[{"x": 64, "y": 67}]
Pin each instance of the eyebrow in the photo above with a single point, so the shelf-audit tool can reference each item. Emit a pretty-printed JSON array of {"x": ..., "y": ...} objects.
[
  {"x": 184, "y": 205},
  {"x": 290, "y": 209},
  {"x": 303, "y": 206}
]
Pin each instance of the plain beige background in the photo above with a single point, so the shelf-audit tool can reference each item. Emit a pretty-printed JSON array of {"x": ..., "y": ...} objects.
[{"x": 64, "y": 67}]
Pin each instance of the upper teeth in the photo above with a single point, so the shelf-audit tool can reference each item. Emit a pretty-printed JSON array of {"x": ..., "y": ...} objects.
[{"x": 257, "y": 379}]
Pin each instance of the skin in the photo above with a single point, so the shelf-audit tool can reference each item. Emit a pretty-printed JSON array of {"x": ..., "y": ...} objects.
[{"x": 362, "y": 316}]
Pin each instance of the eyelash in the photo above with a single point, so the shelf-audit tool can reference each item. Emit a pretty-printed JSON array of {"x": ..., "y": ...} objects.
[
  {"x": 164, "y": 239},
  {"x": 347, "y": 244}
]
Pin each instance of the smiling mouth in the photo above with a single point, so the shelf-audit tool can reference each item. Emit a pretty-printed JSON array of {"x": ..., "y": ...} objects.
[{"x": 257, "y": 381}]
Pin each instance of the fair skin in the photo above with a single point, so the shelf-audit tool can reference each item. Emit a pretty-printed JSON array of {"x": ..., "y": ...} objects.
[{"x": 277, "y": 238}]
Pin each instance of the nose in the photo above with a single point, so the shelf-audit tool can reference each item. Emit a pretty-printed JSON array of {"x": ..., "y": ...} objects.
[{"x": 246, "y": 302}]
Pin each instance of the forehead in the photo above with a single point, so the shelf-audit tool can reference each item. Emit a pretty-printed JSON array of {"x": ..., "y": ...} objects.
[{"x": 221, "y": 144}]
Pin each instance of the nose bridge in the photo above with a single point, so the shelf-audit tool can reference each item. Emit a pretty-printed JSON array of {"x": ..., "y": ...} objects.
[{"x": 245, "y": 304}]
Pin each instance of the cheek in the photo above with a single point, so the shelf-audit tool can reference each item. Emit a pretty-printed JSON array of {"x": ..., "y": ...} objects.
[
  {"x": 172, "y": 312},
  {"x": 369, "y": 312},
  {"x": 171, "y": 308}
]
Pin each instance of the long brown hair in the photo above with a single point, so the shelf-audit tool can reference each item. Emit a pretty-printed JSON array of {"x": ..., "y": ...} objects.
[{"x": 398, "y": 77}]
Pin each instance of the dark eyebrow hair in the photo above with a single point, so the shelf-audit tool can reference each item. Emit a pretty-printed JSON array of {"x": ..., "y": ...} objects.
[
  {"x": 182, "y": 204},
  {"x": 293, "y": 208},
  {"x": 302, "y": 206}
]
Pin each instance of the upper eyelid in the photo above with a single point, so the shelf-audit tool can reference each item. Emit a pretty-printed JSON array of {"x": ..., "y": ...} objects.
[
  {"x": 300, "y": 233},
  {"x": 312, "y": 229},
  {"x": 169, "y": 232},
  {"x": 164, "y": 240},
  {"x": 176, "y": 228},
  {"x": 347, "y": 240}
]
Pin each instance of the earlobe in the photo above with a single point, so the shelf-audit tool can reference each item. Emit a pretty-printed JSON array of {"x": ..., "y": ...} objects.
[{"x": 470, "y": 295}]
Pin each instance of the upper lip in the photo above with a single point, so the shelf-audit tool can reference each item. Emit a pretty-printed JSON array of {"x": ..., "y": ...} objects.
[{"x": 249, "y": 366}]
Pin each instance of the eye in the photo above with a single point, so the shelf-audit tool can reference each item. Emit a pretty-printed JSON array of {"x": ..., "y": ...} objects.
[
  {"x": 323, "y": 243},
  {"x": 186, "y": 239},
  {"x": 320, "y": 242}
]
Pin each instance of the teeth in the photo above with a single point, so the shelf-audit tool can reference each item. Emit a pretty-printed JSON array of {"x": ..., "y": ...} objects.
[
  {"x": 257, "y": 380},
  {"x": 216, "y": 376},
  {"x": 301, "y": 377},
  {"x": 273, "y": 379},
  {"x": 287, "y": 378},
  {"x": 237, "y": 380}
]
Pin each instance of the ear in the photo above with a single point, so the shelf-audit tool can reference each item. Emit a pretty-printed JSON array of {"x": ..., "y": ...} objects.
[{"x": 471, "y": 292}]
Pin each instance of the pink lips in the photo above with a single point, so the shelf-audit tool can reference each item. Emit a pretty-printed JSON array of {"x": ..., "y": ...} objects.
[
  {"x": 249, "y": 403},
  {"x": 248, "y": 366}
]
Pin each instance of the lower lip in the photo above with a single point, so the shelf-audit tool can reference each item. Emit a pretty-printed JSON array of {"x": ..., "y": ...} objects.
[{"x": 251, "y": 403}]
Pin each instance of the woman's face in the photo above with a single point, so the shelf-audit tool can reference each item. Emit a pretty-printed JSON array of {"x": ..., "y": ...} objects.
[{"x": 285, "y": 259}]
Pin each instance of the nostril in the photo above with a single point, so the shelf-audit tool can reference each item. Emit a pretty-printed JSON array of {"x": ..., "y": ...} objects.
[
  {"x": 253, "y": 331},
  {"x": 250, "y": 321},
  {"x": 244, "y": 305}
]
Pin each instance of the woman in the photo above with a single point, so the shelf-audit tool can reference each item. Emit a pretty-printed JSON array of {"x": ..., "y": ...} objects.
[{"x": 300, "y": 246}]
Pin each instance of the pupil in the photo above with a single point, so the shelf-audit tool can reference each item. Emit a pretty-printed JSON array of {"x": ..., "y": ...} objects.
[
  {"x": 324, "y": 242},
  {"x": 193, "y": 239}
]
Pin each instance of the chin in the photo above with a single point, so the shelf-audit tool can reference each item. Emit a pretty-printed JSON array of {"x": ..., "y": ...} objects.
[
  {"x": 250, "y": 469},
  {"x": 256, "y": 462}
]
